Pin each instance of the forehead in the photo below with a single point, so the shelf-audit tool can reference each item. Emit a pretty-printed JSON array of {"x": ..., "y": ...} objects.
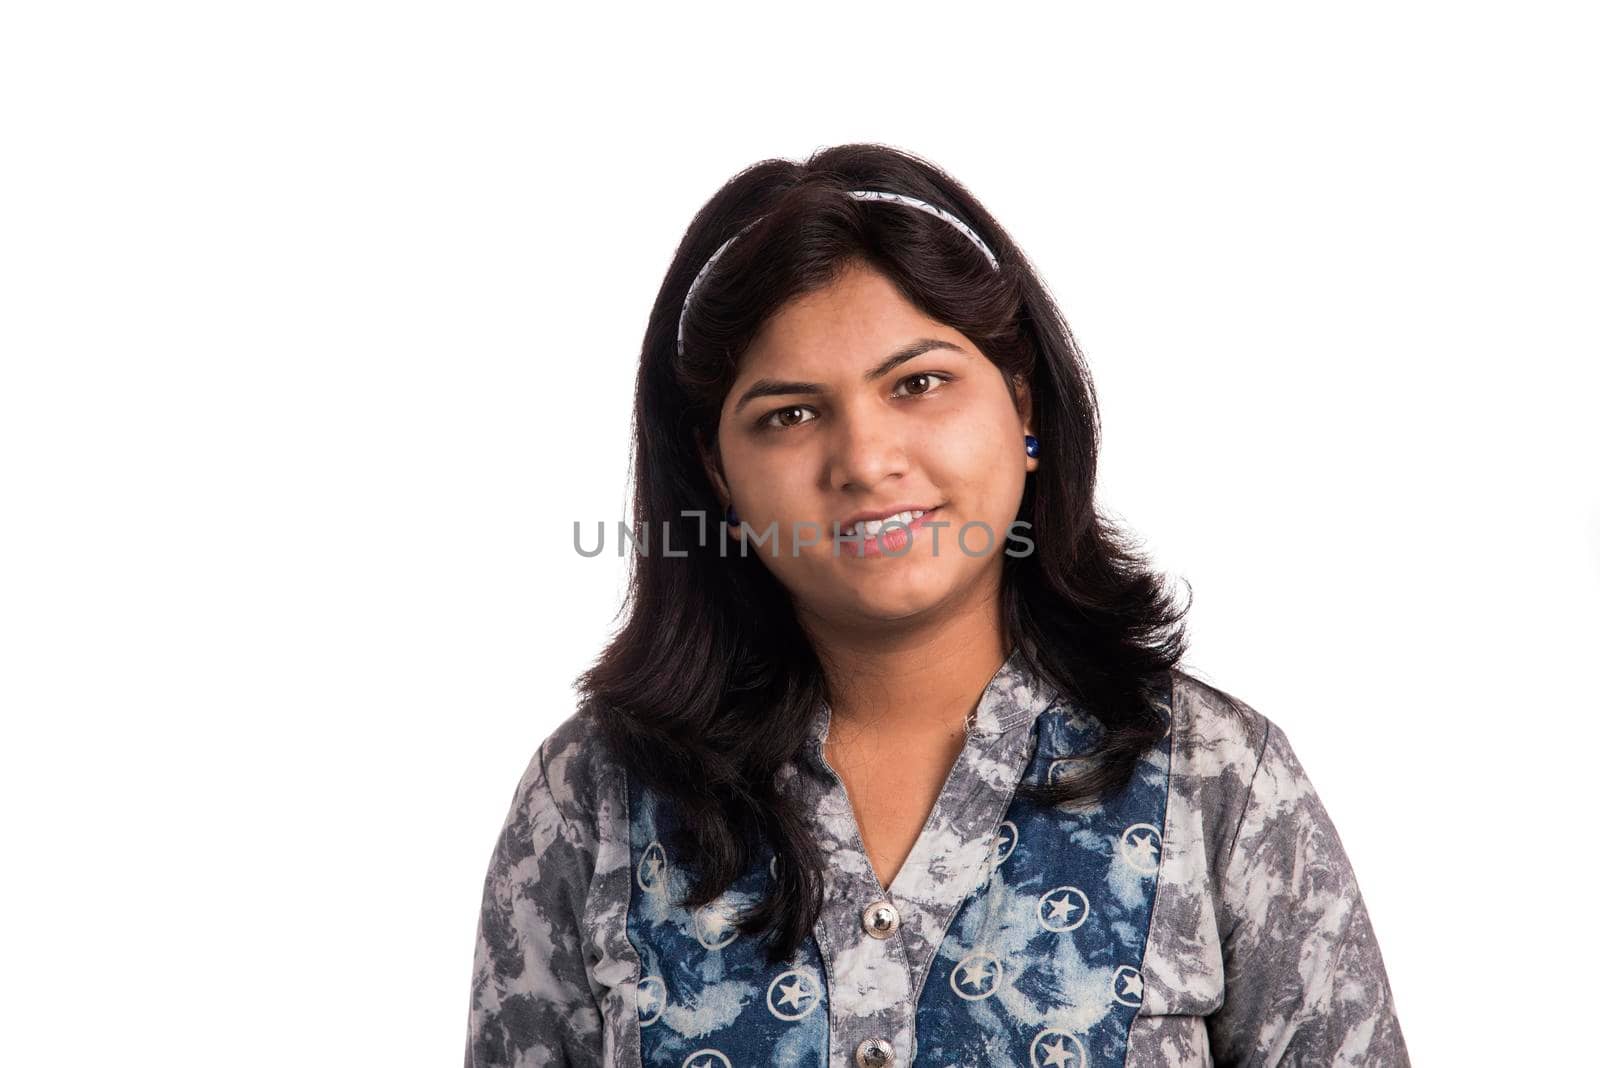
[{"x": 857, "y": 319}]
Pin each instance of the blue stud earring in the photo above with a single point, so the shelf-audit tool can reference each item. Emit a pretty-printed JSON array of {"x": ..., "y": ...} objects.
[
  {"x": 1031, "y": 444},
  {"x": 733, "y": 517}
]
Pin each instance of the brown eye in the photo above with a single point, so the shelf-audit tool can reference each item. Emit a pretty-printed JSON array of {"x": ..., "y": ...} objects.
[
  {"x": 779, "y": 420},
  {"x": 932, "y": 383}
]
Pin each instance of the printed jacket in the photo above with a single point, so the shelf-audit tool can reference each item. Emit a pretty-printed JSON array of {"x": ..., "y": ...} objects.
[{"x": 1205, "y": 915}]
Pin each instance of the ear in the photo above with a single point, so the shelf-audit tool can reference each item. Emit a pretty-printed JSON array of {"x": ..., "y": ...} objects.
[
  {"x": 713, "y": 467},
  {"x": 1025, "y": 412}
]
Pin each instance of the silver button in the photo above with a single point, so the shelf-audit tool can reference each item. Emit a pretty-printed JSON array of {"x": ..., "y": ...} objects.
[
  {"x": 880, "y": 919},
  {"x": 874, "y": 1053}
]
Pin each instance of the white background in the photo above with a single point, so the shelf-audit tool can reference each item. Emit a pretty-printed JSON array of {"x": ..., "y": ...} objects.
[{"x": 319, "y": 325}]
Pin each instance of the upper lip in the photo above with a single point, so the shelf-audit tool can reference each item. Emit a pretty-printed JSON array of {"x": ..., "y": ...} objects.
[{"x": 883, "y": 513}]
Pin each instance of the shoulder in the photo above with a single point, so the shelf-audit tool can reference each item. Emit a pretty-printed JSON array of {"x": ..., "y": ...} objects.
[
  {"x": 572, "y": 778},
  {"x": 1216, "y": 735},
  {"x": 576, "y": 766},
  {"x": 1222, "y": 750},
  {"x": 1264, "y": 824},
  {"x": 1245, "y": 756},
  {"x": 563, "y": 798}
]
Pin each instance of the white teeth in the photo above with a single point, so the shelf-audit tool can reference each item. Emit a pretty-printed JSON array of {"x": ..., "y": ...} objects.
[{"x": 871, "y": 527}]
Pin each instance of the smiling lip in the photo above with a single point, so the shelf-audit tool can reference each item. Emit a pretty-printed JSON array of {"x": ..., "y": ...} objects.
[
  {"x": 850, "y": 523},
  {"x": 871, "y": 545}
]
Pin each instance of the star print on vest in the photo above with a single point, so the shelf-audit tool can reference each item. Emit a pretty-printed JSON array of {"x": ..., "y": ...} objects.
[
  {"x": 706, "y": 996},
  {"x": 1039, "y": 968}
]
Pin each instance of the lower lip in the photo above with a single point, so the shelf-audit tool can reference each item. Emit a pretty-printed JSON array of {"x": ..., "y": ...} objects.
[{"x": 894, "y": 539}]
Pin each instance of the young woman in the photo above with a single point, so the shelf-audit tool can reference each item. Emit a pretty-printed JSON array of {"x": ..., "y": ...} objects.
[{"x": 895, "y": 763}]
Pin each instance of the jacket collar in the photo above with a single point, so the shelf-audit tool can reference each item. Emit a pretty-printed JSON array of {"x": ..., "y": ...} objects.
[{"x": 1012, "y": 700}]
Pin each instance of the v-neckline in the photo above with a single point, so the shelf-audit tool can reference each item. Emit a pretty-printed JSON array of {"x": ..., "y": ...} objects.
[
  {"x": 953, "y": 851},
  {"x": 943, "y": 802},
  {"x": 1011, "y": 697}
]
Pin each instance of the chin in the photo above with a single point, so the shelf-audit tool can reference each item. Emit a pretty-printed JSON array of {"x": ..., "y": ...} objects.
[{"x": 891, "y": 600}]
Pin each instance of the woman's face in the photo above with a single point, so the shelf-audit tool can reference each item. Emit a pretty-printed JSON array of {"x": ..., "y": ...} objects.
[{"x": 828, "y": 420}]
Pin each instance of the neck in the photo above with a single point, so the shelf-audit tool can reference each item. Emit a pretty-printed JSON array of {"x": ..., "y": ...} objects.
[{"x": 914, "y": 683}]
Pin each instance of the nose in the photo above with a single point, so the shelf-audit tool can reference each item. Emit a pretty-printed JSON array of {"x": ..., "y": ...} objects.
[{"x": 867, "y": 451}]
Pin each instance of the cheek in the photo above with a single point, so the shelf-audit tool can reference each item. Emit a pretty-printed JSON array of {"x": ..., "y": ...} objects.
[
  {"x": 983, "y": 473},
  {"x": 769, "y": 491},
  {"x": 976, "y": 451}
]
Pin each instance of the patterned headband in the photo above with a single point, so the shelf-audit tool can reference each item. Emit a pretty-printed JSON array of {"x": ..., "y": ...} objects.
[{"x": 859, "y": 194}]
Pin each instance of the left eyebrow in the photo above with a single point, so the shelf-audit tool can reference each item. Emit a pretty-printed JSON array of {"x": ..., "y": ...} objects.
[{"x": 767, "y": 387}]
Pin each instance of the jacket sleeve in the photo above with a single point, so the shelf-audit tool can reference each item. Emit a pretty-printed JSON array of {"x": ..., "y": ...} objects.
[
  {"x": 1303, "y": 979},
  {"x": 532, "y": 1001}
]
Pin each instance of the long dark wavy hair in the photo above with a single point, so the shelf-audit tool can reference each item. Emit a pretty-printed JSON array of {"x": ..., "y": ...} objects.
[{"x": 709, "y": 686}]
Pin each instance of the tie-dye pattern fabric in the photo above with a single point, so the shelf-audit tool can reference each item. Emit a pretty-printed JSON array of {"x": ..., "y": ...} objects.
[
  {"x": 707, "y": 997},
  {"x": 1041, "y": 966},
  {"x": 580, "y": 963}
]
